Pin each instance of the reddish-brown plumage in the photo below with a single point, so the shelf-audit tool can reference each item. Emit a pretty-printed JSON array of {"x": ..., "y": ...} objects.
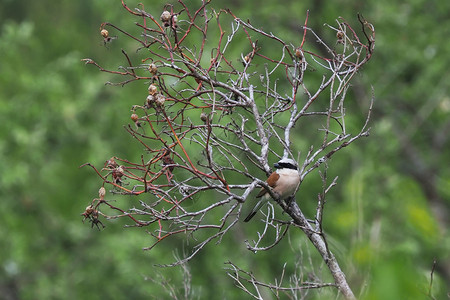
[{"x": 271, "y": 181}]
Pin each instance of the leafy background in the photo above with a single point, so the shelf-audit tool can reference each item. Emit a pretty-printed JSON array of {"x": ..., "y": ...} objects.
[{"x": 387, "y": 218}]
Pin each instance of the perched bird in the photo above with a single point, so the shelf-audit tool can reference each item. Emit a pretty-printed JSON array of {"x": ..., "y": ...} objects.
[{"x": 284, "y": 181}]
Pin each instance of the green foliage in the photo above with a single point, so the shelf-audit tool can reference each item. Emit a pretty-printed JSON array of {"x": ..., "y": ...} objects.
[{"x": 385, "y": 221}]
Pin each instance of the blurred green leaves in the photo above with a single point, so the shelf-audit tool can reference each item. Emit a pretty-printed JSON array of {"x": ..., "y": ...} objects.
[{"x": 387, "y": 218}]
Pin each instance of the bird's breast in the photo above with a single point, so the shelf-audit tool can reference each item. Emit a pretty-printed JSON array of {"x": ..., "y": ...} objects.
[{"x": 287, "y": 183}]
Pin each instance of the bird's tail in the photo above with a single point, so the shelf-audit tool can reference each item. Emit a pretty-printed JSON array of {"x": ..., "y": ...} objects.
[
  {"x": 255, "y": 209},
  {"x": 250, "y": 216}
]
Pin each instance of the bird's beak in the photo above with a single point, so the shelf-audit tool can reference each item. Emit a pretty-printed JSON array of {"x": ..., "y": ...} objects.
[{"x": 276, "y": 165}]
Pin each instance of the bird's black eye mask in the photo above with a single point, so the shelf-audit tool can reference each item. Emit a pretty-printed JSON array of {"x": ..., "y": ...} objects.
[{"x": 281, "y": 165}]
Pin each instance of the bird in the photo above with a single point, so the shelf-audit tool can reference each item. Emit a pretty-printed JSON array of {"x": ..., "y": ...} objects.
[{"x": 283, "y": 182}]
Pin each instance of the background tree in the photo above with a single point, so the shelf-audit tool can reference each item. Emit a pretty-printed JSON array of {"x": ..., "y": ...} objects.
[{"x": 56, "y": 115}]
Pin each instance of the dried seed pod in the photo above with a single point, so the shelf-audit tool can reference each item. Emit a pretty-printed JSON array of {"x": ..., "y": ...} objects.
[
  {"x": 167, "y": 160},
  {"x": 340, "y": 37},
  {"x": 117, "y": 174},
  {"x": 111, "y": 163},
  {"x": 203, "y": 117},
  {"x": 153, "y": 69},
  {"x": 101, "y": 192},
  {"x": 298, "y": 53},
  {"x": 134, "y": 117},
  {"x": 152, "y": 89},
  {"x": 89, "y": 210},
  {"x": 165, "y": 16},
  {"x": 118, "y": 171},
  {"x": 104, "y": 33},
  {"x": 160, "y": 99},
  {"x": 150, "y": 101}
]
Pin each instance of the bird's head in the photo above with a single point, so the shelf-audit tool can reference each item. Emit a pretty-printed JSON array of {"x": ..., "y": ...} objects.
[{"x": 286, "y": 163}]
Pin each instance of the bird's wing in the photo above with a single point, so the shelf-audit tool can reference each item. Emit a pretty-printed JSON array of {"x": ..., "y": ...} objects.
[
  {"x": 255, "y": 209},
  {"x": 271, "y": 181}
]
